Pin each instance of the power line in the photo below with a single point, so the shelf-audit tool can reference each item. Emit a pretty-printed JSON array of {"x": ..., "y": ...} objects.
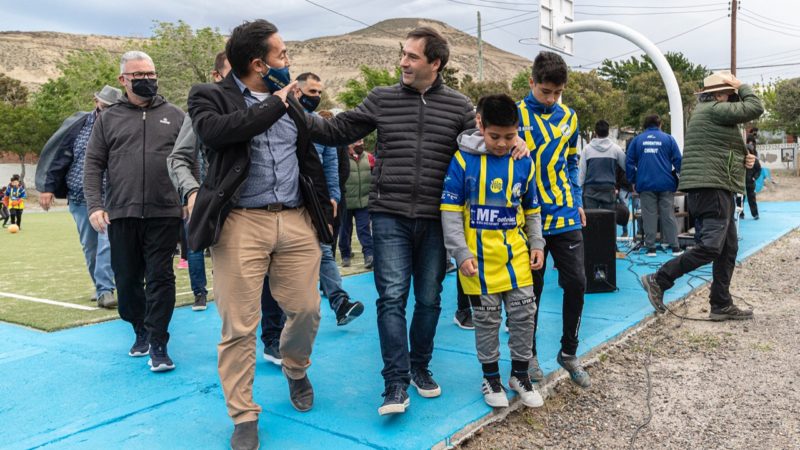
[
  {"x": 704, "y": 5},
  {"x": 353, "y": 19},
  {"x": 783, "y": 33},
  {"x": 489, "y": 6},
  {"x": 648, "y": 13},
  {"x": 770, "y": 19},
  {"x": 769, "y": 23},
  {"x": 659, "y": 42},
  {"x": 515, "y": 16},
  {"x": 765, "y": 66}
]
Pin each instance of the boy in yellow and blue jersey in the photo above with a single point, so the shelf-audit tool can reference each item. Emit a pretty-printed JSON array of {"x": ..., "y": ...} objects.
[
  {"x": 550, "y": 130},
  {"x": 490, "y": 217}
]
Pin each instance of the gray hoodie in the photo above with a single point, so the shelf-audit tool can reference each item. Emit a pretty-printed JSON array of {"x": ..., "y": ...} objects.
[
  {"x": 599, "y": 161},
  {"x": 471, "y": 141}
]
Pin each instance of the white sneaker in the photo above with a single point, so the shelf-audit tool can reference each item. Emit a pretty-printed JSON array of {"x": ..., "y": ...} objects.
[
  {"x": 527, "y": 393},
  {"x": 677, "y": 252},
  {"x": 494, "y": 393}
]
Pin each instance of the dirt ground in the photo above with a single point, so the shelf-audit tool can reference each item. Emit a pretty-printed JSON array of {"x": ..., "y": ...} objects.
[{"x": 712, "y": 385}]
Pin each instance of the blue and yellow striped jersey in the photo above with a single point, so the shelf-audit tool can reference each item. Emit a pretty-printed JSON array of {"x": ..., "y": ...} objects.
[
  {"x": 494, "y": 193},
  {"x": 551, "y": 134}
]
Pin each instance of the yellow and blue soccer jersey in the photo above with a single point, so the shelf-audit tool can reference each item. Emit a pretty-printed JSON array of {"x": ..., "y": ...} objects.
[
  {"x": 494, "y": 193},
  {"x": 551, "y": 134}
]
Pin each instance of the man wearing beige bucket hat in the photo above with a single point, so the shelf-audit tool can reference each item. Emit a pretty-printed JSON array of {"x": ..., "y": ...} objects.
[
  {"x": 62, "y": 160},
  {"x": 713, "y": 171}
]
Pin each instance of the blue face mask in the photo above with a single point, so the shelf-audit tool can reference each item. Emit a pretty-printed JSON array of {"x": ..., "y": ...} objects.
[{"x": 277, "y": 79}]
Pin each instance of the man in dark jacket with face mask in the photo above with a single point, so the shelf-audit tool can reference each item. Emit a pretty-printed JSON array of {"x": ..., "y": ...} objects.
[{"x": 142, "y": 211}]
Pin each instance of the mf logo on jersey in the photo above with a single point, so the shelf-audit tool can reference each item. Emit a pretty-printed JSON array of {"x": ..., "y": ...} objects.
[
  {"x": 483, "y": 217},
  {"x": 497, "y": 185},
  {"x": 565, "y": 130}
]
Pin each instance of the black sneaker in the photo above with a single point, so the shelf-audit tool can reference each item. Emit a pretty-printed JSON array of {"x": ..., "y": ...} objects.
[
  {"x": 159, "y": 359},
  {"x": 730, "y": 312},
  {"x": 534, "y": 370},
  {"x": 755, "y": 217},
  {"x": 200, "y": 303},
  {"x": 348, "y": 311},
  {"x": 654, "y": 292},
  {"x": 463, "y": 319},
  {"x": 368, "y": 260},
  {"x": 741, "y": 215},
  {"x": 346, "y": 261},
  {"x": 651, "y": 252},
  {"x": 272, "y": 353},
  {"x": 141, "y": 347},
  {"x": 395, "y": 400},
  {"x": 422, "y": 379}
]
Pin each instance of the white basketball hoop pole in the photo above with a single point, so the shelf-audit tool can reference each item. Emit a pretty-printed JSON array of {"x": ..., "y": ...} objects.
[{"x": 664, "y": 69}]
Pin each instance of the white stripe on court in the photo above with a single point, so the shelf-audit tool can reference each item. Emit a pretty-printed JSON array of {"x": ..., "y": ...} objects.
[{"x": 48, "y": 302}]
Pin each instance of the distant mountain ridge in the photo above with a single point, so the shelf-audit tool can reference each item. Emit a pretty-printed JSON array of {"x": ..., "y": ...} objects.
[{"x": 31, "y": 57}]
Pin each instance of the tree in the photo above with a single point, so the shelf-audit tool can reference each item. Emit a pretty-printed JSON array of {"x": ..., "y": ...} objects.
[
  {"x": 477, "y": 89},
  {"x": 82, "y": 74},
  {"x": 450, "y": 77},
  {"x": 183, "y": 57},
  {"x": 645, "y": 94},
  {"x": 22, "y": 131},
  {"x": 786, "y": 107},
  {"x": 356, "y": 91},
  {"x": 620, "y": 73},
  {"x": 520, "y": 84},
  {"x": 12, "y": 91},
  {"x": 593, "y": 99}
]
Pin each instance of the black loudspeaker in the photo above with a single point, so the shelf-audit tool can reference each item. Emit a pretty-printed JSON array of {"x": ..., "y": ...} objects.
[{"x": 600, "y": 250}]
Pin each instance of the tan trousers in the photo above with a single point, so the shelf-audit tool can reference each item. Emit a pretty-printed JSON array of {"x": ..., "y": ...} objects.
[{"x": 253, "y": 243}]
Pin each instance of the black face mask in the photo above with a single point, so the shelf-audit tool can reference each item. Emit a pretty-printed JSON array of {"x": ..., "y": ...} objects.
[
  {"x": 145, "y": 88},
  {"x": 310, "y": 103},
  {"x": 358, "y": 149}
]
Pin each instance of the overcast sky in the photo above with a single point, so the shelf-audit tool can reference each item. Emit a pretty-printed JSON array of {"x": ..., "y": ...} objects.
[{"x": 769, "y": 30}]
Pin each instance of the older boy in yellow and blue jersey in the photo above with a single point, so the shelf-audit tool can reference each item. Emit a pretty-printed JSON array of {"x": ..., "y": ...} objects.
[
  {"x": 550, "y": 130},
  {"x": 490, "y": 216}
]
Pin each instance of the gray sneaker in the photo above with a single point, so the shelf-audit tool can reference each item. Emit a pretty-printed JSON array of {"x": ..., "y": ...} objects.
[
  {"x": 575, "y": 370},
  {"x": 730, "y": 312},
  {"x": 535, "y": 371},
  {"x": 654, "y": 292},
  {"x": 107, "y": 300}
]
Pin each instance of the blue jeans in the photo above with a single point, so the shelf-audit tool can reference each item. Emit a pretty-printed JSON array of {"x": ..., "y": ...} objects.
[
  {"x": 406, "y": 248},
  {"x": 362, "y": 229},
  {"x": 96, "y": 250},
  {"x": 272, "y": 317},
  {"x": 197, "y": 268}
]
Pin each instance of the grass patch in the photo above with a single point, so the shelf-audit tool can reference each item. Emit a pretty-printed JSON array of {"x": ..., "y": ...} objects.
[
  {"x": 703, "y": 341},
  {"x": 45, "y": 260}
]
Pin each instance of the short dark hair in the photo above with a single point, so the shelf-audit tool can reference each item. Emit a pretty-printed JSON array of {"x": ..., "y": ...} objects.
[
  {"x": 436, "y": 46},
  {"x": 653, "y": 120},
  {"x": 248, "y": 41},
  {"x": 498, "y": 110},
  {"x": 219, "y": 62},
  {"x": 15, "y": 177},
  {"x": 601, "y": 128},
  {"x": 306, "y": 75},
  {"x": 549, "y": 67}
]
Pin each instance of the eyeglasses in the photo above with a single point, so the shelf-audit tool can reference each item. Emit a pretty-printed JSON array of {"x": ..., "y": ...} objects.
[{"x": 141, "y": 75}]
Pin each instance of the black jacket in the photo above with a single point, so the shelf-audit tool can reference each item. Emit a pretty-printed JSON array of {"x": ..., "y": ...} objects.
[
  {"x": 131, "y": 144},
  {"x": 55, "y": 166},
  {"x": 225, "y": 125},
  {"x": 417, "y": 135}
]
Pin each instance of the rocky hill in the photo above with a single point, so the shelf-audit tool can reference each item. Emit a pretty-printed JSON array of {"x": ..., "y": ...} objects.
[{"x": 32, "y": 56}]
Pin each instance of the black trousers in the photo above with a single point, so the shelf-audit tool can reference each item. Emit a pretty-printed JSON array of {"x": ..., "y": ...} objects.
[
  {"x": 272, "y": 317},
  {"x": 16, "y": 217},
  {"x": 463, "y": 299},
  {"x": 751, "y": 199},
  {"x": 341, "y": 209},
  {"x": 598, "y": 196},
  {"x": 567, "y": 251},
  {"x": 716, "y": 243},
  {"x": 141, "y": 257}
]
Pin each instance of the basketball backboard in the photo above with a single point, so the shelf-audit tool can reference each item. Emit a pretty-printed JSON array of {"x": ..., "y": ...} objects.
[{"x": 552, "y": 14}]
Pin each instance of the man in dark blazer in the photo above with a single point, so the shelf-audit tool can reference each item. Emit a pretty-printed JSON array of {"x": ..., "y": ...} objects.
[{"x": 253, "y": 210}]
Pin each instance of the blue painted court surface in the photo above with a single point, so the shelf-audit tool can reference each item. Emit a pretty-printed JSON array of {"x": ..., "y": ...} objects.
[{"x": 79, "y": 389}]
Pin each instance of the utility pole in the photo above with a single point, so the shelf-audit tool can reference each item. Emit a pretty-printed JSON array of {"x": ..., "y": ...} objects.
[
  {"x": 480, "y": 50},
  {"x": 734, "y": 7}
]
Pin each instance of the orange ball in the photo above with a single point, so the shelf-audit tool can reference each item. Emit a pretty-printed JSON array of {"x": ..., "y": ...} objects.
[{"x": 13, "y": 228}]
